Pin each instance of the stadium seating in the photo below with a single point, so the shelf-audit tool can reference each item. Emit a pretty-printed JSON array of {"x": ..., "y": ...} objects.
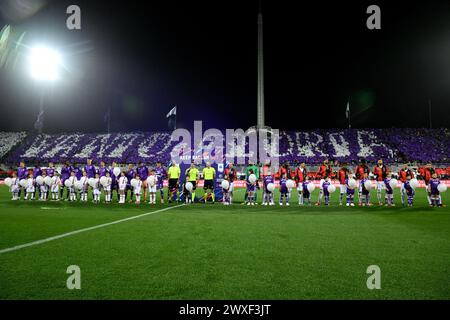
[
  {"x": 392, "y": 145},
  {"x": 9, "y": 140}
]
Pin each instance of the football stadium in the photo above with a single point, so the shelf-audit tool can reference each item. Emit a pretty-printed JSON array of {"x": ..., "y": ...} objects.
[{"x": 129, "y": 200}]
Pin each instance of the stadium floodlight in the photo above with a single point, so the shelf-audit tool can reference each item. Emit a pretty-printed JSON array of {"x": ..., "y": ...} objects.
[{"x": 44, "y": 63}]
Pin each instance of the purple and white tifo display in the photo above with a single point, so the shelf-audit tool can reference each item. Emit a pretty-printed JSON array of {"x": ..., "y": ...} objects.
[{"x": 393, "y": 145}]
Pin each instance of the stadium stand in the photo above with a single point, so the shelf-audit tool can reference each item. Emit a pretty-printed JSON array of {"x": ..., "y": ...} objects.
[
  {"x": 8, "y": 140},
  {"x": 312, "y": 147}
]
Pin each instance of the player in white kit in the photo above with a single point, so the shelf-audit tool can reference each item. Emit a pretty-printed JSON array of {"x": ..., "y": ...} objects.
[{"x": 123, "y": 182}]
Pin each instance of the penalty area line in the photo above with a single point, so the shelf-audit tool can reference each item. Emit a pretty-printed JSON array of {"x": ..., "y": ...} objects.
[{"x": 71, "y": 233}]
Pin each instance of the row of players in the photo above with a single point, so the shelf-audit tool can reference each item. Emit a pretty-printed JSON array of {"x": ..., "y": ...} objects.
[
  {"x": 380, "y": 173},
  {"x": 348, "y": 183},
  {"x": 347, "y": 190},
  {"x": 105, "y": 179},
  {"x": 75, "y": 174},
  {"x": 51, "y": 185},
  {"x": 51, "y": 182}
]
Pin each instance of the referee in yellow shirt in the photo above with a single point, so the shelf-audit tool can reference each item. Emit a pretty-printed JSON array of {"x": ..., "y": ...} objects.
[
  {"x": 191, "y": 175},
  {"x": 209, "y": 174},
  {"x": 174, "y": 177}
]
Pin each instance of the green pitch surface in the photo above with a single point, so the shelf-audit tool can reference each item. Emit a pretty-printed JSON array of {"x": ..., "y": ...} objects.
[{"x": 225, "y": 252}]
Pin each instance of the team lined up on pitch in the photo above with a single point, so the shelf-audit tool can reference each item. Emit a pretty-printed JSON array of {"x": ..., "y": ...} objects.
[{"x": 49, "y": 184}]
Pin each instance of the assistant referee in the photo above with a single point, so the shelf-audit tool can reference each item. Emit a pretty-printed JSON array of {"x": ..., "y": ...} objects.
[
  {"x": 174, "y": 177},
  {"x": 192, "y": 177},
  {"x": 209, "y": 174}
]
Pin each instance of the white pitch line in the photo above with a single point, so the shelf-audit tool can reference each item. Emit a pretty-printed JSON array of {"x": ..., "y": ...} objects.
[{"x": 71, "y": 233}]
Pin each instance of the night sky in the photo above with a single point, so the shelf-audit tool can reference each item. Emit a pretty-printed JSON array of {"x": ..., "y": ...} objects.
[{"x": 140, "y": 58}]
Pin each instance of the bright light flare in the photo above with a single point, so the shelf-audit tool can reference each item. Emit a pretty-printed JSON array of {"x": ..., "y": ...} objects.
[{"x": 44, "y": 63}]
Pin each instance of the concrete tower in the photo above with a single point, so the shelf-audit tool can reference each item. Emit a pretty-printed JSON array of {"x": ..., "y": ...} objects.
[{"x": 260, "y": 115}]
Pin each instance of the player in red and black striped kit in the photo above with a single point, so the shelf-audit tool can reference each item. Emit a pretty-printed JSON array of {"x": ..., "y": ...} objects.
[
  {"x": 360, "y": 170},
  {"x": 402, "y": 174},
  {"x": 342, "y": 176},
  {"x": 427, "y": 173},
  {"x": 231, "y": 173},
  {"x": 268, "y": 176},
  {"x": 380, "y": 172},
  {"x": 300, "y": 175},
  {"x": 284, "y": 169},
  {"x": 325, "y": 170}
]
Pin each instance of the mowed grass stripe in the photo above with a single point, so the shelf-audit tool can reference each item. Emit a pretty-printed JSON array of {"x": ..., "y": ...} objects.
[{"x": 67, "y": 234}]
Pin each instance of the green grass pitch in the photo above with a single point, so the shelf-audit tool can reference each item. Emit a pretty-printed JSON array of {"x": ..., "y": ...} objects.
[{"x": 226, "y": 252}]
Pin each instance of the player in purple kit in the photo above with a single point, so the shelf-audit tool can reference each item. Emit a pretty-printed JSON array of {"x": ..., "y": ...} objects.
[
  {"x": 78, "y": 172},
  {"x": 142, "y": 171},
  {"x": 284, "y": 191},
  {"x": 65, "y": 174},
  {"x": 267, "y": 195},
  {"x": 22, "y": 173},
  {"x": 65, "y": 171},
  {"x": 161, "y": 174},
  {"x": 103, "y": 169},
  {"x": 50, "y": 169},
  {"x": 389, "y": 195},
  {"x": 131, "y": 174},
  {"x": 37, "y": 171},
  {"x": 114, "y": 183},
  {"x": 435, "y": 197},
  {"x": 90, "y": 169}
]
